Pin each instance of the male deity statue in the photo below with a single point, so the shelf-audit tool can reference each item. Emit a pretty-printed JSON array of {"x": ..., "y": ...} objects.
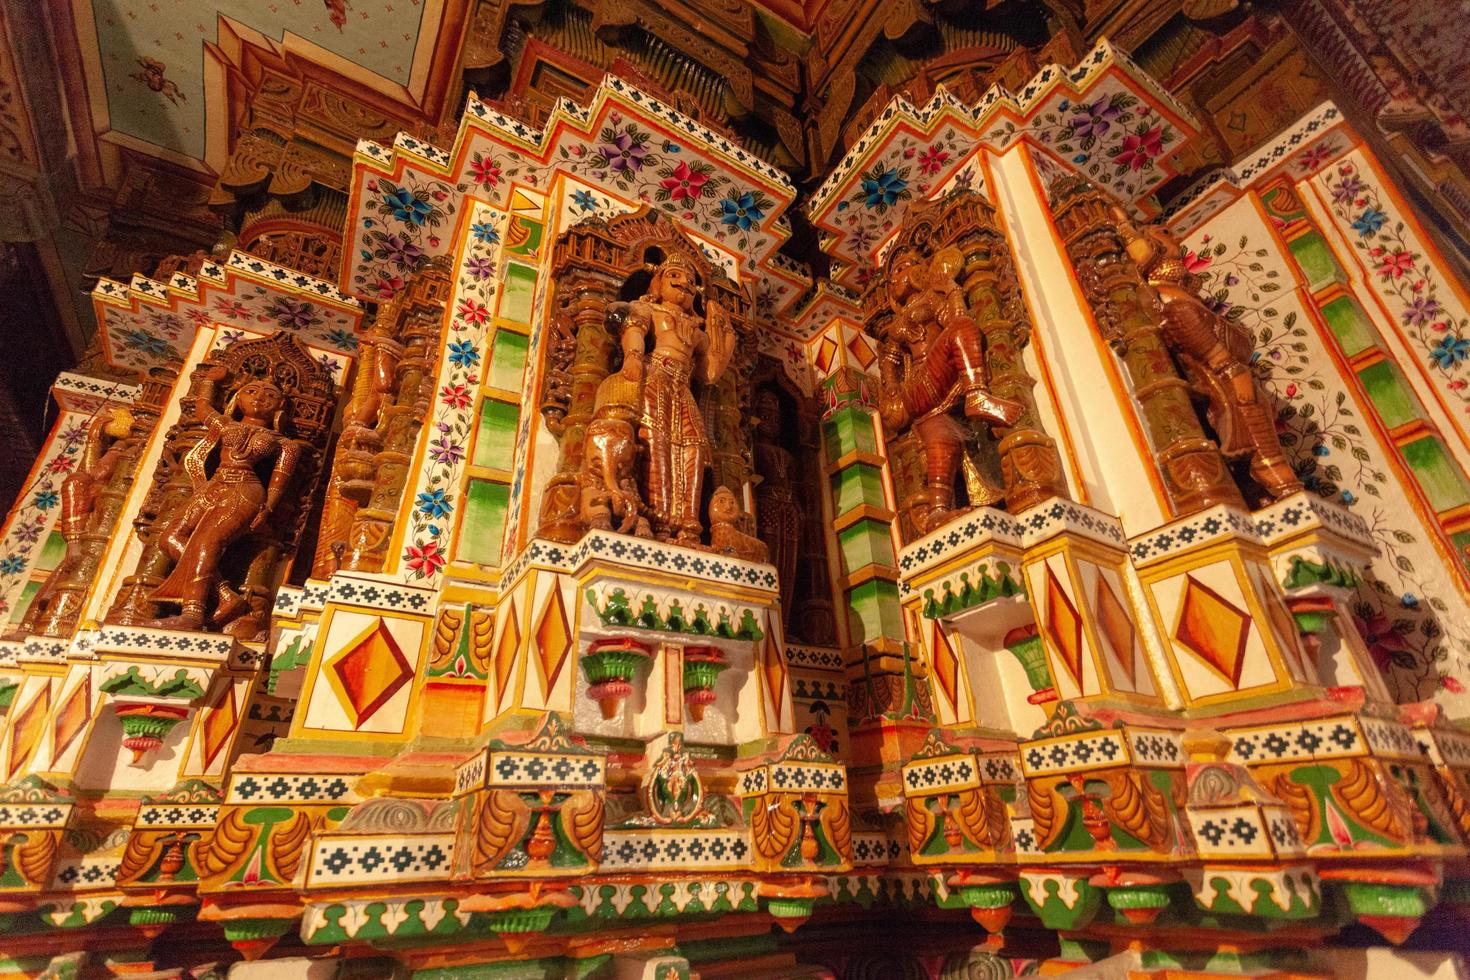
[
  {"x": 685, "y": 346},
  {"x": 1215, "y": 355},
  {"x": 934, "y": 361}
]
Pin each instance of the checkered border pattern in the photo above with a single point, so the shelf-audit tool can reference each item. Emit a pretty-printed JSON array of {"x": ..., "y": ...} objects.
[
  {"x": 470, "y": 774},
  {"x": 793, "y": 777},
  {"x": 157, "y": 816},
  {"x": 753, "y": 782},
  {"x": 1218, "y": 522},
  {"x": 1445, "y": 748},
  {"x": 143, "y": 639},
  {"x": 259, "y": 787},
  {"x": 34, "y": 816},
  {"x": 674, "y": 850},
  {"x": 86, "y": 872},
  {"x": 376, "y": 594},
  {"x": 985, "y": 525},
  {"x": 552, "y": 770},
  {"x": 1319, "y": 120},
  {"x": 1104, "y": 749},
  {"x": 814, "y": 658},
  {"x": 1391, "y": 740},
  {"x": 1230, "y": 832},
  {"x": 1304, "y": 512},
  {"x": 642, "y": 553},
  {"x": 43, "y": 647},
  {"x": 1268, "y": 527},
  {"x": 1002, "y": 768},
  {"x": 358, "y": 860},
  {"x": 1156, "y": 747},
  {"x": 1285, "y": 837},
  {"x": 1023, "y": 832},
  {"x": 874, "y": 850},
  {"x": 1324, "y": 738},
  {"x": 942, "y": 774}
]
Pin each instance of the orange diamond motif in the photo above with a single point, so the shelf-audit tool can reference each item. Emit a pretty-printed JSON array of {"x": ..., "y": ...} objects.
[
  {"x": 25, "y": 732},
  {"x": 71, "y": 717},
  {"x": 775, "y": 670},
  {"x": 946, "y": 665},
  {"x": 219, "y": 722},
  {"x": 505, "y": 650},
  {"x": 553, "y": 639},
  {"x": 826, "y": 354},
  {"x": 1117, "y": 626},
  {"x": 862, "y": 351},
  {"x": 1213, "y": 629},
  {"x": 1064, "y": 626},
  {"x": 368, "y": 672}
]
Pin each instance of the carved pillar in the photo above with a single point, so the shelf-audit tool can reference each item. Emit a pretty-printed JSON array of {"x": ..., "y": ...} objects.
[
  {"x": 579, "y": 352},
  {"x": 1126, "y": 310},
  {"x": 394, "y": 396},
  {"x": 1030, "y": 468}
]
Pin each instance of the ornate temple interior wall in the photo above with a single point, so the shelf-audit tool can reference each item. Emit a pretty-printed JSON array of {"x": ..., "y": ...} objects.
[{"x": 793, "y": 490}]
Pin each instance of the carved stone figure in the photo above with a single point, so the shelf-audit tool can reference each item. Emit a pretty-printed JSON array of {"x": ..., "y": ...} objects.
[
  {"x": 672, "y": 428},
  {"x": 228, "y": 503},
  {"x": 225, "y": 506},
  {"x": 728, "y": 528},
  {"x": 91, "y": 498},
  {"x": 643, "y": 385},
  {"x": 1215, "y": 355},
  {"x": 610, "y": 500},
  {"x": 932, "y": 362}
]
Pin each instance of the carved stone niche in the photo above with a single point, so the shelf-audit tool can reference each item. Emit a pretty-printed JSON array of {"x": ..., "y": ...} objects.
[
  {"x": 216, "y": 475},
  {"x": 594, "y": 410},
  {"x": 786, "y": 436},
  {"x": 954, "y": 392}
]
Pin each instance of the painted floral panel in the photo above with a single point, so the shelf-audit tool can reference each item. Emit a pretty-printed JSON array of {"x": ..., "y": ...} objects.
[
  {"x": 446, "y": 437},
  {"x": 623, "y": 146},
  {"x": 144, "y": 334},
  {"x": 1397, "y": 267},
  {"x": 1409, "y": 611},
  {"x": 36, "y": 509}
]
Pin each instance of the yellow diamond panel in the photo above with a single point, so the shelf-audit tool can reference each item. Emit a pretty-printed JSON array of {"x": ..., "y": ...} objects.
[
  {"x": 368, "y": 672},
  {"x": 1213, "y": 629},
  {"x": 1064, "y": 626},
  {"x": 553, "y": 639}
]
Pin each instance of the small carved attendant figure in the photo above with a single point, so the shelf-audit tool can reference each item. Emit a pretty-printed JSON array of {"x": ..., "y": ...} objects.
[
  {"x": 933, "y": 360},
  {"x": 609, "y": 487},
  {"x": 111, "y": 436},
  {"x": 227, "y": 504},
  {"x": 672, "y": 427},
  {"x": 727, "y": 535},
  {"x": 1215, "y": 355}
]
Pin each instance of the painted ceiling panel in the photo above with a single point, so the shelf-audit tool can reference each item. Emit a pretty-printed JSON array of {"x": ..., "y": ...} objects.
[{"x": 153, "y": 52}]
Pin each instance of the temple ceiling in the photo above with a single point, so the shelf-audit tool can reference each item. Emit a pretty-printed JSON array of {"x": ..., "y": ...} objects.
[{"x": 159, "y": 72}]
